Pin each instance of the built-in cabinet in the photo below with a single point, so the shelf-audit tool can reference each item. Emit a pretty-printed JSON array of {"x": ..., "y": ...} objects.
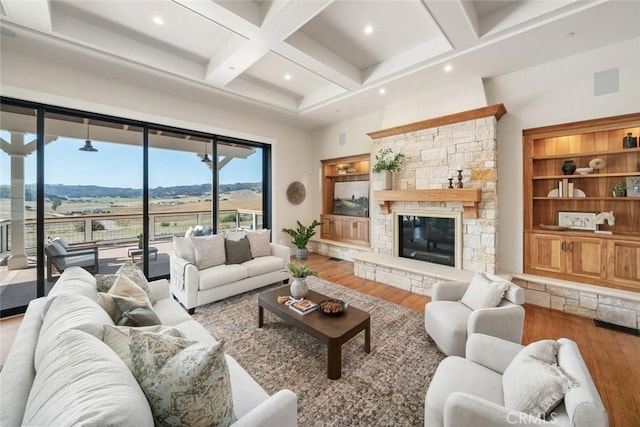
[
  {"x": 582, "y": 255},
  {"x": 352, "y": 229}
]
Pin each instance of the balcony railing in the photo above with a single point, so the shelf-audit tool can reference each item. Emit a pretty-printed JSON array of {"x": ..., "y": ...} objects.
[{"x": 112, "y": 229}]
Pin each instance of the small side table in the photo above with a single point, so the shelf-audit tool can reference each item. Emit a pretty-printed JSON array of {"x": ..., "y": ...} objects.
[{"x": 133, "y": 252}]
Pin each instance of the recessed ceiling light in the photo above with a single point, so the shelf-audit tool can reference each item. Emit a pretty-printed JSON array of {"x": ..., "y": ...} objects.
[
  {"x": 287, "y": 76},
  {"x": 158, "y": 20},
  {"x": 448, "y": 68},
  {"x": 368, "y": 29},
  {"x": 570, "y": 34},
  {"x": 382, "y": 91}
]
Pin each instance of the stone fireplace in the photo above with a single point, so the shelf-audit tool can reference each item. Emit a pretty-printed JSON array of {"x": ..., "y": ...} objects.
[{"x": 434, "y": 151}]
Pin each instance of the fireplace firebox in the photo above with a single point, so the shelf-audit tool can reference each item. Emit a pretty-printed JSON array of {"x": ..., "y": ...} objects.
[{"x": 429, "y": 237}]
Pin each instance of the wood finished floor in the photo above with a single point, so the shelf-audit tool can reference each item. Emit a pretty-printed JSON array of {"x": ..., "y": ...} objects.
[{"x": 613, "y": 357}]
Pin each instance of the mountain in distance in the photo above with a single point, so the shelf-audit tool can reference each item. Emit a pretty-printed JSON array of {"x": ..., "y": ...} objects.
[{"x": 79, "y": 191}]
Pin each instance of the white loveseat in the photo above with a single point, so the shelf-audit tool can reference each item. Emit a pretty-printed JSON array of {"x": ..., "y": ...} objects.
[
  {"x": 194, "y": 286},
  {"x": 86, "y": 382}
]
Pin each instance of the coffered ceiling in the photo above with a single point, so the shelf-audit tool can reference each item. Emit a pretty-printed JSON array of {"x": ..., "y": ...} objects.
[{"x": 311, "y": 60}]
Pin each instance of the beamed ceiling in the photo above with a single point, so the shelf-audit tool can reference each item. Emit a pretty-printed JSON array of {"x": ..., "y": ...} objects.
[{"x": 311, "y": 60}]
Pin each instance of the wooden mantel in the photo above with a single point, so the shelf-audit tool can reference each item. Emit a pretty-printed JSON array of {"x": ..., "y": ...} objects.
[
  {"x": 497, "y": 111},
  {"x": 469, "y": 197}
]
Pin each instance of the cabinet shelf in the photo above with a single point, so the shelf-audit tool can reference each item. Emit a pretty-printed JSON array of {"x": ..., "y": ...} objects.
[
  {"x": 596, "y": 175},
  {"x": 586, "y": 154},
  {"x": 581, "y": 199},
  {"x": 359, "y": 175}
]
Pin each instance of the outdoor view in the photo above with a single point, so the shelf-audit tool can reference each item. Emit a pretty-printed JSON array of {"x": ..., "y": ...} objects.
[{"x": 93, "y": 189}]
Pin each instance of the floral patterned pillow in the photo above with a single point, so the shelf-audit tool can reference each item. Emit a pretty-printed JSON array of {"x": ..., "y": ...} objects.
[{"x": 186, "y": 382}]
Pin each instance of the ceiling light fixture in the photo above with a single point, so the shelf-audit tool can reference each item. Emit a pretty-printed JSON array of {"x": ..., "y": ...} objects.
[
  {"x": 570, "y": 34},
  {"x": 382, "y": 91},
  {"x": 287, "y": 76},
  {"x": 87, "y": 144},
  {"x": 448, "y": 68},
  {"x": 206, "y": 158},
  {"x": 368, "y": 29},
  {"x": 158, "y": 20}
]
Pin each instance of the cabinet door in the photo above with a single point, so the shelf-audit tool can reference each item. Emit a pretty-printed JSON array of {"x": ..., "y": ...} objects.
[
  {"x": 336, "y": 225},
  {"x": 623, "y": 262},
  {"x": 356, "y": 230},
  {"x": 325, "y": 228},
  {"x": 586, "y": 257},
  {"x": 547, "y": 253}
]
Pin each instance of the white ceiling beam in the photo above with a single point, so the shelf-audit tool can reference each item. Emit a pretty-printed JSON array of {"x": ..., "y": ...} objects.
[
  {"x": 233, "y": 59},
  {"x": 457, "y": 21},
  {"x": 292, "y": 17},
  {"x": 34, "y": 14}
]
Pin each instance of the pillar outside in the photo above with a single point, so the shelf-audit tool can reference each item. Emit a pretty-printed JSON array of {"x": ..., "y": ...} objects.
[{"x": 18, "y": 258}]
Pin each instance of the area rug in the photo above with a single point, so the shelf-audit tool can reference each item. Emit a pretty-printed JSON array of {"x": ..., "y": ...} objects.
[{"x": 384, "y": 388}]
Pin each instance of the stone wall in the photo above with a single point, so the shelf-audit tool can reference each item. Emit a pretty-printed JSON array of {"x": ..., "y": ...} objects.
[{"x": 432, "y": 155}]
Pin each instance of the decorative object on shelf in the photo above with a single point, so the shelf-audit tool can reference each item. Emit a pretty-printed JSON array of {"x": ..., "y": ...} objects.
[
  {"x": 296, "y": 192},
  {"x": 459, "y": 183},
  {"x": 633, "y": 186},
  {"x": 576, "y": 193},
  {"x": 300, "y": 272},
  {"x": 554, "y": 227},
  {"x": 386, "y": 163},
  {"x": 597, "y": 163},
  {"x": 450, "y": 181},
  {"x": 619, "y": 190},
  {"x": 343, "y": 168},
  {"x": 577, "y": 220},
  {"x": 584, "y": 171},
  {"x": 601, "y": 218},
  {"x": 630, "y": 141},
  {"x": 568, "y": 167},
  {"x": 301, "y": 237}
]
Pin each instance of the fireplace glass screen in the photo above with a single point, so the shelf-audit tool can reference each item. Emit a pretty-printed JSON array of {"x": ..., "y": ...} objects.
[{"x": 427, "y": 238}]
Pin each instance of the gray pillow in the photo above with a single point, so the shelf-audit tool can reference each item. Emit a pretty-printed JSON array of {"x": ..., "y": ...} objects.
[
  {"x": 139, "y": 316},
  {"x": 172, "y": 370},
  {"x": 259, "y": 243},
  {"x": 483, "y": 292},
  {"x": 533, "y": 382},
  {"x": 208, "y": 251},
  {"x": 238, "y": 251},
  {"x": 104, "y": 282}
]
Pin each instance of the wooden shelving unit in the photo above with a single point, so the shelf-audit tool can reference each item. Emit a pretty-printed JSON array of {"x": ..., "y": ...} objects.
[
  {"x": 582, "y": 256},
  {"x": 344, "y": 228}
]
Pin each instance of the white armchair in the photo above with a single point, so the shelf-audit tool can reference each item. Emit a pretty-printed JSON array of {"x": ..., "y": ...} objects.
[
  {"x": 465, "y": 392},
  {"x": 449, "y": 322}
]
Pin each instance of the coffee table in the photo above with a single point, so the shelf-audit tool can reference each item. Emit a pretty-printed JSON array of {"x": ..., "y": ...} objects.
[{"x": 331, "y": 330}]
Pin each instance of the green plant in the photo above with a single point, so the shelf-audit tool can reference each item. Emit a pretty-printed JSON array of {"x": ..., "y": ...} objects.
[
  {"x": 620, "y": 187},
  {"x": 300, "y": 270},
  {"x": 302, "y": 234},
  {"x": 140, "y": 237},
  {"x": 387, "y": 161}
]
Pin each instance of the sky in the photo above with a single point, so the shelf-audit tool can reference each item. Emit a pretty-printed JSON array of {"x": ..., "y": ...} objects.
[{"x": 118, "y": 165}]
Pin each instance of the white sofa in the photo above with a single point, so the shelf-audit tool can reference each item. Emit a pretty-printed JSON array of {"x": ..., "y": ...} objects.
[
  {"x": 470, "y": 391},
  {"x": 28, "y": 376},
  {"x": 194, "y": 287}
]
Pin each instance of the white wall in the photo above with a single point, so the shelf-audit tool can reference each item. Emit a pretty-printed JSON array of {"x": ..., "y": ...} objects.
[
  {"x": 41, "y": 79},
  {"x": 552, "y": 93}
]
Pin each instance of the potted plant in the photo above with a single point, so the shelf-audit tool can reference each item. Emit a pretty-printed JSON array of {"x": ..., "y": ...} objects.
[
  {"x": 301, "y": 237},
  {"x": 386, "y": 163},
  {"x": 299, "y": 287},
  {"x": 342, "y": 168},
  {"x": 140, "y": 242},
  {"x": 619, "y": 190}
]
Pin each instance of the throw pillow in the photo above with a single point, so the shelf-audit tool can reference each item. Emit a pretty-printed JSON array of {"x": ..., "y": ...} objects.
[
  {"x": 184, "y": 249},
  {"x": 125, "y": 287},
  {"x": 533, "y": 383},
  {"x": 131, "y": 270},
  {"x": 237, "y": 251},
  {"x": 116, "y": 306},
  {"x": 483, "y": 293},
  {"x": 117, "y": 337},
  {"x": 209, "y": 251},
  {"x": 259, "y": 243},
  {"x": 186, "y": 383},
  {"x": 104, "y": 282},
  {"x": 235, "y": 235},
  {"x": 189, "y": 232},
  {"x": 139, "y": 316}
]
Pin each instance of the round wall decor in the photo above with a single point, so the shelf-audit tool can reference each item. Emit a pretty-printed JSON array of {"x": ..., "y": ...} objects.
[{"x": 296, "y": 192}]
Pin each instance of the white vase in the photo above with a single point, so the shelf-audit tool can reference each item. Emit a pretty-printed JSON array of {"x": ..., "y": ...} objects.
[
  {"x": 387, "y": 180},
  {"x": 298, "y": 288}
]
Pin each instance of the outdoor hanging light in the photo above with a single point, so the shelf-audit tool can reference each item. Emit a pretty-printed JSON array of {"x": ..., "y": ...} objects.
[
  {"x": 206, "y": 158},
  {"x": 87, "y": 144}
]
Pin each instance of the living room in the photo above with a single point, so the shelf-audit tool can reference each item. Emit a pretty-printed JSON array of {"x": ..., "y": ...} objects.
[{"x": 539, "y": 92}]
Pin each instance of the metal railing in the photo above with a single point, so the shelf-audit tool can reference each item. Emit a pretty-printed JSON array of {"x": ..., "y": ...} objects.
[{"x": 112, "y": 229}]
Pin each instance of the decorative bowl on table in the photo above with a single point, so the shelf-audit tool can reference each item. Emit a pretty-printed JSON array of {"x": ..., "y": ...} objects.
[{"x": 332, "y": 307}]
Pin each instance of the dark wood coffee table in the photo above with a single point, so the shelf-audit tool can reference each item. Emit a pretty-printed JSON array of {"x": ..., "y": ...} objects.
[{"x": 331, "y": 330}]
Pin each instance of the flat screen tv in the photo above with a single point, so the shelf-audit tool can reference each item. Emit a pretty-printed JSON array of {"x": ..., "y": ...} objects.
[{"x": 351, "y": 198}]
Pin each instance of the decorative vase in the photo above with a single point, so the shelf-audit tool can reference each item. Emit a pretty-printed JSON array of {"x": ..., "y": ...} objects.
[
  {"x": 618, "y": 193},
  {"x": 569, "y": 167},
  {"x": 302, "y": 253},
  {"x": 387, "y": 180},
  {"x": 630, "y": 141},
  {"x": 299, "y": 287}
]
